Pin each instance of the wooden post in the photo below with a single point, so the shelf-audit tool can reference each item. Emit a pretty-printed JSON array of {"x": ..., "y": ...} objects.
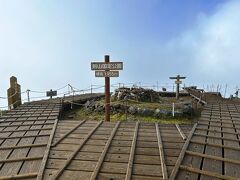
[
  {"x": 177, "y": 82},
  {"x": 28, "y": 95},
  {"x": 177, "y": 92},
  {"x": 107, "y": 69},
  {"x": 14, "y": 94},
  {"x": 107, "y": 93}
]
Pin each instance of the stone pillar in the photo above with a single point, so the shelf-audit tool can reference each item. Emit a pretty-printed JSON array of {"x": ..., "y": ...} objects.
[{"x": 14, "y": 94}]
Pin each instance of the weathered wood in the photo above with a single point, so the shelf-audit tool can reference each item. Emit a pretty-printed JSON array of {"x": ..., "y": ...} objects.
[
  {"x": 215, "y": 130},
  {"x": 26, "y": 124},
  {"x": 217, "y": 121},
  {"x": 217, "y": 158},
  {"x": 219, "y": 126},
  {"x": 101, "y": 159},
  {"x": 19, "y": 176},
  {"x": 65, "y": 135},
  {"x": 45, "y": 157},
  {"x": 209, "y": 164},
  {"x": 132, "y": 153},
  {"x": 29, "y": 136},
  {"x": 60, "y": 171},
  {"x": 24, "y": 146},
  {"x": 181, "y": 132},
  {"x": 222, "y": 138},
  {"x": 181, "y": 156},
  {"x": 20, "y": 159},
  {"x": 207, "y": 173},
  {"x": 215, "y": 145},
  {"x": 161, "y": 153},
  {"x": 231, "y": 169}
]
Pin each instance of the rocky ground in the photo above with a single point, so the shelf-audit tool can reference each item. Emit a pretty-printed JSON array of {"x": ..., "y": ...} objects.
[{"x": 138, "y": 104}]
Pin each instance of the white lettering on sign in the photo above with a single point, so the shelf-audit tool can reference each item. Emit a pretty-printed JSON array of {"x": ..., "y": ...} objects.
[
  {"x": 109, "y": 66},
  {"x": 106, "y": 74}
]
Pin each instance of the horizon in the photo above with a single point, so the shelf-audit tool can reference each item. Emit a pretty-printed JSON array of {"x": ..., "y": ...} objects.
[{"x": 48, "y": 45}]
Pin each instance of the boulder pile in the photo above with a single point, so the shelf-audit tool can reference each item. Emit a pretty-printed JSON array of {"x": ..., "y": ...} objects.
[
  {"x": 184, "y": 110},
  {"x": 138, "y": 94}
]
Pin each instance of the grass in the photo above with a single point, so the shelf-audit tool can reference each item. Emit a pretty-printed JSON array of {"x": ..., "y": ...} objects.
[
  {"x": 82, "y": 114},
  {"x": 2, "y": 113},
  {"x": 166, "y": 103}
]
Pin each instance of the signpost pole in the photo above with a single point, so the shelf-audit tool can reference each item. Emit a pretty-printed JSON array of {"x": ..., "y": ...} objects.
[
  {"x": 106, "y": 69},
  {"x": 177, "y": 91},
  {"x": 107, "y": 93},
  {"x": 177, "y": 82}
]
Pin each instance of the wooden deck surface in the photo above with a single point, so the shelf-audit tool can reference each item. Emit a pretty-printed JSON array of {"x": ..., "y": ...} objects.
[
  {"x": 114, "y": 150},
  {"x": 24, "y": 136},
  {"x": 35, "y": 144}
]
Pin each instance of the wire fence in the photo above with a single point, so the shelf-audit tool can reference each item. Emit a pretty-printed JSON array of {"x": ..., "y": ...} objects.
[{"x": 34, "y": 95}]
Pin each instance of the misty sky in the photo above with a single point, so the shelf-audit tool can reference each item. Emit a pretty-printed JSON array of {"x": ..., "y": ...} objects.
[{"x": 48, "y": 44}]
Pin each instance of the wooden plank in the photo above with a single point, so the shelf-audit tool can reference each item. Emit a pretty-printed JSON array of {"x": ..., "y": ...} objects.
[
  {"x": 222, "y": 138},
  {"x": 208, "y": 163},
  {"x": 101, "y": 159},
  {"x": 44, "y": 161},
  {"x": 216, "y": 145},
  {"x": 60, "y": 171},
  {"x": 216, "y": 130},
  {"x": 132, "y": 153},
  {"x": 20, "y": 159},
  {"x": 181, "y": 156},
  {"x": 207, "y": 173},
  {"x": 110, "y": 176},
  {"x": 147, "y": 160},
  {"x": 24, "y": 146},
  {"x": 19, "y": 176},
  {"x": 217, "y": 158},
  {"x": 29, "y": 136},
  {"x": 161, "y": 153},
  {"x": 114, "y": 168},
  {"x": 147, "y": 170},
  {"x": 71, "y": 175},
  {"x": 231, "y": 169},
  {"x": 26, "y": 124},
  {"x": 69, "y": 132},
  {"x": 13, "y": 164},
  {"x": 180, "y": 132}
]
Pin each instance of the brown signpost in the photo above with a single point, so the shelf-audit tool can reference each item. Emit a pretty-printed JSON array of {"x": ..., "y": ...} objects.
[
  {"x": 177, "y": 82},
  {"x": 104, "y": 69}
]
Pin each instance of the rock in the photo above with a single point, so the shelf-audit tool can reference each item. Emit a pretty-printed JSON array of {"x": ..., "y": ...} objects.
[
  {"x": 86, "y": 105},
  {"x": 157, "y": 113},
  {"x": 178, "y": 113},
  {"x": 90, "y": 105},
  {"x": 116, "y": 106},
  {"x": 132, "y": 110},
  {"x": 165, "y": 113},
  {"x": 139, "y": 94},
  {"x": 147, "y": 112},
  {"x": 100, "y": 108},
  {"x": 139, "y": 111}
]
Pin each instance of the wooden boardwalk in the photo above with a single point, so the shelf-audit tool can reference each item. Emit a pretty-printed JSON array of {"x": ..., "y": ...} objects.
[
  {"x": 24, "y": 137},
  {"x": 35, "y": 144},
  {"x": 114, "y": 150},
  {"x": 212, "y": 150}
]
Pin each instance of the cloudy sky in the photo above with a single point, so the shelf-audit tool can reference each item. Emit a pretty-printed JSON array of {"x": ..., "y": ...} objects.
[{"x": 48, "y": 44}]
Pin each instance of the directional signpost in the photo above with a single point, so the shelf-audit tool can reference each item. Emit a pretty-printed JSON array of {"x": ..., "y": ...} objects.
[
  {"x": 107, "y": 69},
  {"x": 177, "y": 82},
  {"x": 51, "y": 93}
]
